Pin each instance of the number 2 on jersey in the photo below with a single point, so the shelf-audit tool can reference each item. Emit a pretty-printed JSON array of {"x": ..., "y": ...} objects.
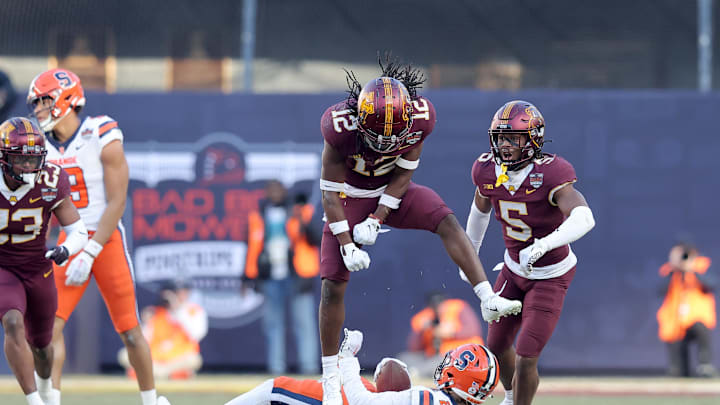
[{"x": 78, "y": 188}]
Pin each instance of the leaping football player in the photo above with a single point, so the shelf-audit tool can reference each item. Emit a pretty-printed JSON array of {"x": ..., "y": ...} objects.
[
  {"x": 31, "y": 190},
  {"x": 541, "y": 213},
  {"x": 373, "y": 142},
  {"x": 91, "y": 151}
]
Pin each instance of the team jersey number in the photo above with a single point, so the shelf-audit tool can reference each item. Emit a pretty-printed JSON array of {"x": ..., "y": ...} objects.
[
  {"x": 32, "y": 230},
  {"x": 78, "y": 188},
  {"x": 50, "y": 177},
  {"x": 517, "y": 228},
  {"x": 382, "y": 166},
  {"x": 421, "y": 109},
  {"x": 344, "y": 118}
]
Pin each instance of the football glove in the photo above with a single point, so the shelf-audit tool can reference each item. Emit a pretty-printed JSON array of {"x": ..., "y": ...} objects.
[
  {"x": 354, "y": 258},
  {"x": 79, "y": 269},
  {"x": 58, "y": 254},
  {"x": 366, "y": 232},
  {"x": 532, "y": 254},
  {"x": 351, "y": 344}
]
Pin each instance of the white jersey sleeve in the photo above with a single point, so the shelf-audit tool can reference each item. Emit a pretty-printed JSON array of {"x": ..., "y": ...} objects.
[{"x": 80, "y": 157}]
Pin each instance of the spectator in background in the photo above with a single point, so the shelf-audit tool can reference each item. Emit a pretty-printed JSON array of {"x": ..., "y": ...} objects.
[
  {"x": 283, "y": 257},
  {"x": 440, "y": 327},
  {"x": 8, "y": 96},
  {"x": 173, "y": 329},
  {"x": 688, "y": 311}
]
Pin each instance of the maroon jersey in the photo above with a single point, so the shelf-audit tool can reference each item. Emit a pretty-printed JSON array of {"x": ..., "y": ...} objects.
[
  {"x": 530, "y": 212},
  {"x": 365, "y": 168},
  {"x": 24, "y": 218}
]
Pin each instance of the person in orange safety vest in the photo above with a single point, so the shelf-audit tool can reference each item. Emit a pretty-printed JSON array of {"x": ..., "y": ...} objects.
[
  {"x": 443, "y": 325},
  {"x": 284, "y": 259},
  {"x": 687, "y": 313}
]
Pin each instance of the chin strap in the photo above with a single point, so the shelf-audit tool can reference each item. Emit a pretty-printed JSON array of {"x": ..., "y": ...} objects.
[{"x": 502, "y": 178}]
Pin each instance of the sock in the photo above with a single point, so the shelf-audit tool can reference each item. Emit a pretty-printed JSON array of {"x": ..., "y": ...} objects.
[
  {"x": 44, "y": 385},
  {"x": 34, "y": 399},
  {"x": 509, "y": 396},
  {"x": 149, "y": 397},
  {"x": 54, "y": 397},
  {"x": 330, "y": 364},
  {"x": 483, "y": 290}
]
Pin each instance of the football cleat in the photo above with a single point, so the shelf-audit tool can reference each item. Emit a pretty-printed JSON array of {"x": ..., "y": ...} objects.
[
  {"x": 162, "y": 401},
  {"x": 497, "y": 307},
  {"x": 331, "y": 390}
]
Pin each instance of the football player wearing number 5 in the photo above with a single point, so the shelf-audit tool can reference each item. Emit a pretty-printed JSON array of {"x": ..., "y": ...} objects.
[
  {"x": 31, "y": 190},
  {"x": 372, "y": 146},
  {"x": 541, "y": 213},
  {"x": 91, "y": 151}
]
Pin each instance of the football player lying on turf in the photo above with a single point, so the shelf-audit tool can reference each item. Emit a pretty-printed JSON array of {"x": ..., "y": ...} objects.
[
  {"x": 467, "y": 375},
  {"x": 390, "y": 375}
]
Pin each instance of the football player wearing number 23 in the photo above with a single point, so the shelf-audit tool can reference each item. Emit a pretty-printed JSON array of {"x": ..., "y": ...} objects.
[
  {"x": 540, "y": 213},
  {"x": 31, "y": 190},
  {"x": 91, "y": 151},
  {"x": 373, "y": 142}
]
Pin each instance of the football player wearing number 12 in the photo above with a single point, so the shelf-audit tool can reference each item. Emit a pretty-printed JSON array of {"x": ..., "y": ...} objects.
[
  {"x": 541, "y": 213},
  {"x": 372, "y": 147},
  {"x": 91, "y": 152}
]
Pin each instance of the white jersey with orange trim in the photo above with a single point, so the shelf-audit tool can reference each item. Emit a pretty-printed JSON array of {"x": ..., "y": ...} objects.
[
  {"x": 357, "y": 393},
  {"x": 80, "y": 157}
]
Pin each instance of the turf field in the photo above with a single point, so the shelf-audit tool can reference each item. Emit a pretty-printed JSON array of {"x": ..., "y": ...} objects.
[{"x": 216, "y": 390}]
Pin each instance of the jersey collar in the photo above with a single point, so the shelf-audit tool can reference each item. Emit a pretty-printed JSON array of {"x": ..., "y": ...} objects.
[{"x": 63, "y": 145}]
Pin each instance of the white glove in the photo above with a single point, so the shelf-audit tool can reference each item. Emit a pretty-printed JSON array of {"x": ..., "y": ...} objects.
[
  {"x": 79, "y": 269},
  {"x": 352, "y": 343},
  {"x": 366, "y": 232},
  {"x": 355, "y": 258},
  {"x": 532, "y": 254}
]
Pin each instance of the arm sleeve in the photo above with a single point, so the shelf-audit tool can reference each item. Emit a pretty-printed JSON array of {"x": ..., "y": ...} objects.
[{"x": 357, "y": 394}]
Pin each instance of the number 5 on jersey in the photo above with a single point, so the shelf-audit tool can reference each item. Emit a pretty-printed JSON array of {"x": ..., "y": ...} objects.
[{"x": 78, "y": 189}]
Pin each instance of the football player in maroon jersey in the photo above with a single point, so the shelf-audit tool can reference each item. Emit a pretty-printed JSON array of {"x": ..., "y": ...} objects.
[
  {"x": 541, "y": 213},
  {"x": 373, "y": 142},
  {"x": 31, "y": 190}
]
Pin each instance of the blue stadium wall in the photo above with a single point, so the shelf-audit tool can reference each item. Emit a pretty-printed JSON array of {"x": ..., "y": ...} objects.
[{"x": 646, "y": 162}]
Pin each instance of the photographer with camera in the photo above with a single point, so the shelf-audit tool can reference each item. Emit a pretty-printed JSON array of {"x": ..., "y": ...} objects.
[
  {"x": 173, "y": 329},
  {"x": 688, "y": 311}
]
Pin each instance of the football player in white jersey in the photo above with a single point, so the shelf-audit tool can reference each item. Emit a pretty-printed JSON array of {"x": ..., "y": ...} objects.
[
  {"x": 467, "y": 375},
  {"x": 91, "y": 152}
]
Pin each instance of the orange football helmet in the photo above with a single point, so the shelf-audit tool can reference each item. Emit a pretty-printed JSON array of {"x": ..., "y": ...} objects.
[
  {"x": 470, "y": 371},
  {"x": 63, "y": 88}
]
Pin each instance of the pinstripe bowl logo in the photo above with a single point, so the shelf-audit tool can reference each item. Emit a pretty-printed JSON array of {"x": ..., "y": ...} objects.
[{"x": 189, "y": 214}]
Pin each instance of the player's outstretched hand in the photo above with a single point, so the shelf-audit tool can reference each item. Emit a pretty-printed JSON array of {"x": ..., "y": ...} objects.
[
  {"x": 351, "y": 344},
  {"x": 58, "y": 254},
  {"x": 79, "y": 269},
  {"x": 531, "y": 254},
  {"x": 366, "y": 232},
  {"x": 354, "y": 258}
]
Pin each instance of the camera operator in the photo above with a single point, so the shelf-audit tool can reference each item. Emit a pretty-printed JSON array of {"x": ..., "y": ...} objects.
[{"x": 688, "y": 311}]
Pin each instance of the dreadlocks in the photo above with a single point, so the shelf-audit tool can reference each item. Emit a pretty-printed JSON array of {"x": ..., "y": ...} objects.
[{"x": 410, "y": 76}]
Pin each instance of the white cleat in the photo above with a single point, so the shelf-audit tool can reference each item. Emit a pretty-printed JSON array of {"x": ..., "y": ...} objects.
[
  {"x": 497, "y": 307},
  {"x": 162, "y": 401},
  {"x": 331, "y": 390}
]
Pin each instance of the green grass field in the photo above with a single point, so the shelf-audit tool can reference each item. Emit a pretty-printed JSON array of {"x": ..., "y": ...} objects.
[{"x": 216, "y": 390}]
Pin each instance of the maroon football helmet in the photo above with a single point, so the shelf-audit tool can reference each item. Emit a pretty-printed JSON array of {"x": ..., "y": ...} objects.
[
  {"x": 22, "y": 149},
  {"x": 518, "y": 117},
  {"x": 384, "y": 114}
]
